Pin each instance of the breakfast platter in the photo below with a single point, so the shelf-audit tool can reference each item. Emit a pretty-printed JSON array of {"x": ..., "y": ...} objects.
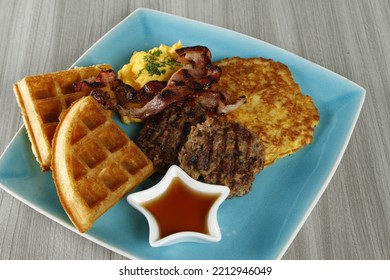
[{"x": 258, "y": 225}]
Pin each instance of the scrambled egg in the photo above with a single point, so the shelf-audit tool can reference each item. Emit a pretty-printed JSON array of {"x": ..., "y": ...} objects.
[{"x": 158, "y": 64}]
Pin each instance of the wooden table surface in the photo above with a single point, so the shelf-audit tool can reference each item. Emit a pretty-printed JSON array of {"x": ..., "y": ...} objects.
[{"x": 352, "y": 38}]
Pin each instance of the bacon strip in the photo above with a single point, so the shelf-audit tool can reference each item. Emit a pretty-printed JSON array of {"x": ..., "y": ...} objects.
[
  {"x": 192, "y": 81},
  {"x": 197, "y": 74},
  {"x": 217, "y": 101},
  {"x": 101, "y": 80}
]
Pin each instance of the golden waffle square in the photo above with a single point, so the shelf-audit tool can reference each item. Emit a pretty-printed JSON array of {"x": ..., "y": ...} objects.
[
  {"x": 275, "y": 108},
  {"x": 94, "y": 162},
  {"x": 43, "y": 98}
]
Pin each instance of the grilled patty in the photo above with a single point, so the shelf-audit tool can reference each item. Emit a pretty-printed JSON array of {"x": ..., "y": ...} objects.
[
  {"x": 164, "y": 134},
  {"x": 222, "y": 152},
  {"x": 209, "y": 148}
]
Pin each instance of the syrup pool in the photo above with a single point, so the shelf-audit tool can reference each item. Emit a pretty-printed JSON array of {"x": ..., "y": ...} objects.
[{"x": 180, "y": 209}]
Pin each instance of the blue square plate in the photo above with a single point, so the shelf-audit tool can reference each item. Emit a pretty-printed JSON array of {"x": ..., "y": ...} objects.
[{"x": 260, "y": 225}]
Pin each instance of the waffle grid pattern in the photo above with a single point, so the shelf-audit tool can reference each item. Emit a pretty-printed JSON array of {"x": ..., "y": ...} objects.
[
  {"x": 103, "y": 158},
  {"x": 52, "y": 97}
]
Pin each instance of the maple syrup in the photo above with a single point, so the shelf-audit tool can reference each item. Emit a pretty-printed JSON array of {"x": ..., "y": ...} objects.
[{"x": 181, "y": 208}]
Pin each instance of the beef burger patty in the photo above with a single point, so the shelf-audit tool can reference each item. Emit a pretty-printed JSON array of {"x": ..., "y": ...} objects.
[
  {"x": 222, "y": 152},
  {"x": 164, "y": 134}
]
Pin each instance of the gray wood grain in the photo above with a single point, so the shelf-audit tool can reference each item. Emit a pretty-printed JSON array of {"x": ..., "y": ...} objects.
[{"x": 352, "y": 38}]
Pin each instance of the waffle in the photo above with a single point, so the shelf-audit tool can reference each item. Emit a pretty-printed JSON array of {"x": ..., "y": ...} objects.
[
  {"x": 43, "y": 98},
  {"x": 94, "y": 162}
]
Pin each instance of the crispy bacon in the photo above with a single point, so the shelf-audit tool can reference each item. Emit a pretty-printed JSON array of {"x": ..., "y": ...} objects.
[
  {"x": 154, "y": 87},
  {"x": 104, "y": 99},
  {"x": 86, "y": 86},
  {"x": 102, "y": 88},
  {"x": 198, "y": 72},
  {"x": 101, "y": 80},
  {"x": 217, "y": 101},
  {"x": 106, "y": 76},
  {"x": 126, "y": 94},
  {"x": 191, "y": 81}
]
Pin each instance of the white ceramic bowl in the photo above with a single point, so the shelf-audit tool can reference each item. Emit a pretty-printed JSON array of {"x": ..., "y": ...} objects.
[{"x": 138, "y": 199}]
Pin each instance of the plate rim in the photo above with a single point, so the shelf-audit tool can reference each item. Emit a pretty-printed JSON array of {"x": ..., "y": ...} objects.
[{"x": 359, "y": 93}]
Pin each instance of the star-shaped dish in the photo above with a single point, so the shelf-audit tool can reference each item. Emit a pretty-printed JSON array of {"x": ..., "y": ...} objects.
[{"x": 180, "y": 209}]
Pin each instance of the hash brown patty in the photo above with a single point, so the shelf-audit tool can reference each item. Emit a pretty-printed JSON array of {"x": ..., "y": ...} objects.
[{"x": 275, "y": 110}]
